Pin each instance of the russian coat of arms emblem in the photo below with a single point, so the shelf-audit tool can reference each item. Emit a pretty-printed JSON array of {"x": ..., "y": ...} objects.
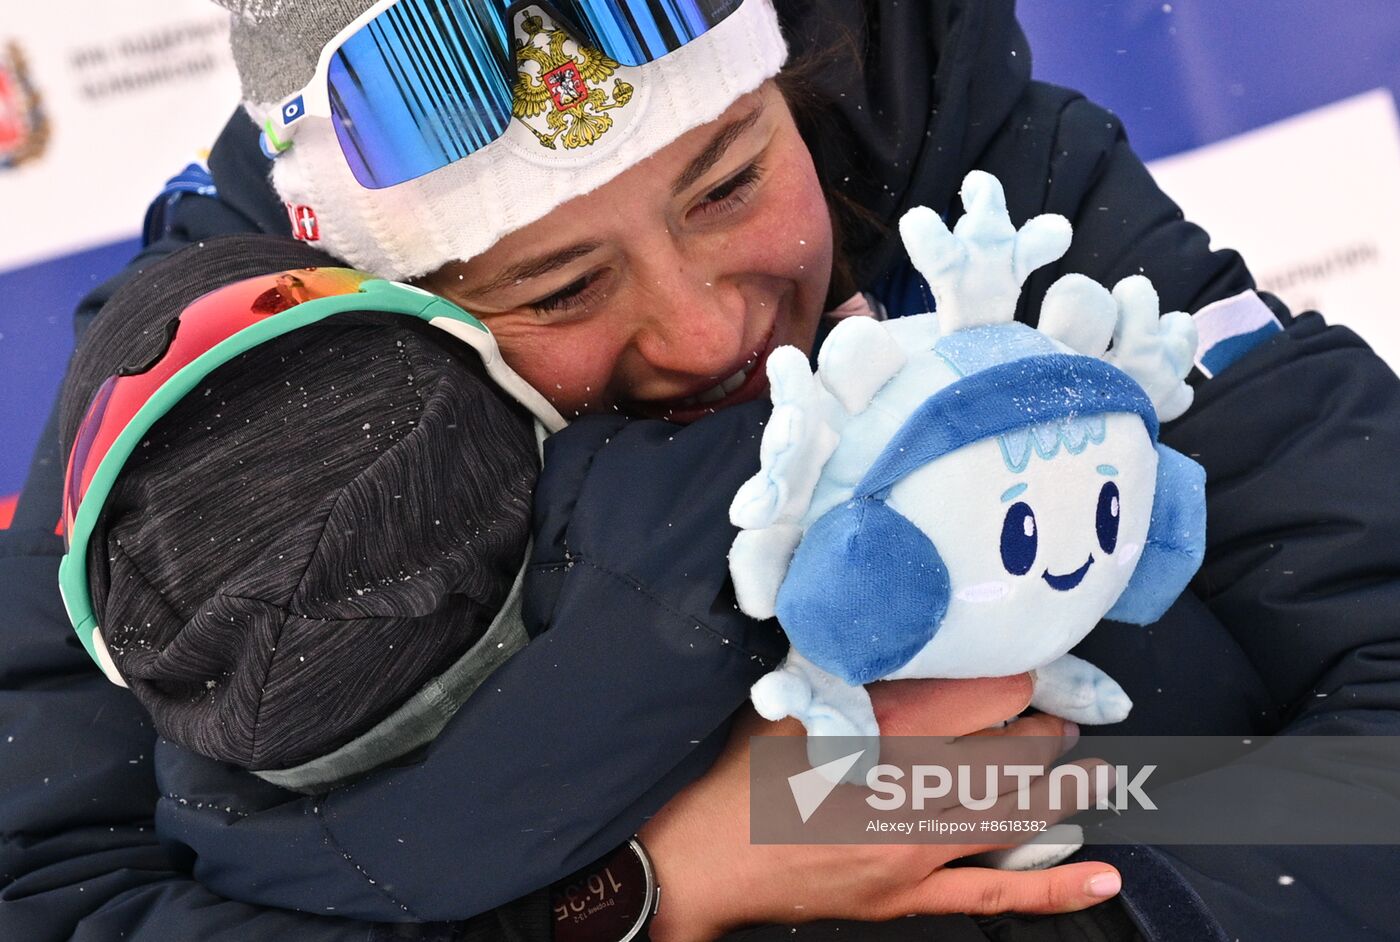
[
  {"x": 563, "y": 81},
  {"x": 24, "y": 128}
]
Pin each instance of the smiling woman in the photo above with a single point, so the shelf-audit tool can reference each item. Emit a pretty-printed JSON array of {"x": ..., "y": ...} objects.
[{"x": 662, "y": 292}]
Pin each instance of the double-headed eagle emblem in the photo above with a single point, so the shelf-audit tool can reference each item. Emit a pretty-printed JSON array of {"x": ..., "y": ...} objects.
[
  {"x": 567, "y": 88},
  {"x": 24, "y": 127}
]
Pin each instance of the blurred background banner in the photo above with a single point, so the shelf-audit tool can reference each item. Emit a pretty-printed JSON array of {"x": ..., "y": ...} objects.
[
  {"x": 100, "y": 103},
  {"x": 1312, "y": 203},
  {"x": 1272, "y": 122}
]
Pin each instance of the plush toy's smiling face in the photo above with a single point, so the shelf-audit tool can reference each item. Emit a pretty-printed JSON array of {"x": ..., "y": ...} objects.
[{"x": 1037, "y": 548}]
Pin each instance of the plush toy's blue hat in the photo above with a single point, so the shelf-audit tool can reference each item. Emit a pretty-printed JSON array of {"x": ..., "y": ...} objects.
[{"x": 1050, "y": 397}]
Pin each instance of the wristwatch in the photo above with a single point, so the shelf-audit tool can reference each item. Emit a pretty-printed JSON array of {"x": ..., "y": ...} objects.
[{"x": 611, "y": 900}]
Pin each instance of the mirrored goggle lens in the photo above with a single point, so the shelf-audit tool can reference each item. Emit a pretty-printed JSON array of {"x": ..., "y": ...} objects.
[
  {"x": 421, "y": 85},
  {"x": 203, "y": 325},
  {"x": 80, "y": 462},
  {"x": 428, "y": 82},
  {"x": 635, "y": 32}
]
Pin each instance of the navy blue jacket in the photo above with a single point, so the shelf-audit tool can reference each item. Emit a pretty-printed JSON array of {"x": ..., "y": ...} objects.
[{"x": 639, "y": 656}]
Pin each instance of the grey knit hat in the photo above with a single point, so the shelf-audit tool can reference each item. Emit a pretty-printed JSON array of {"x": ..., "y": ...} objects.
[
  {"x": 276, "y": 43},
  {"x": 546, "y": 156},
  {"x": 317, "y": 542}
]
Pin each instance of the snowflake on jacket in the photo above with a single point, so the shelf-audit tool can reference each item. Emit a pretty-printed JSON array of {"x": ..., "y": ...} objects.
[{"x": 960, "y": 495}]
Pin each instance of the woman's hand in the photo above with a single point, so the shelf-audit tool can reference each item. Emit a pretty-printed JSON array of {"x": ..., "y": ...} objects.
[{"x": 715, "y": 880}]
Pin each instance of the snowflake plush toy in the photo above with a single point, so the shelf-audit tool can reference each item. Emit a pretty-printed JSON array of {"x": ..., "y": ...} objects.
[{"x": 960, "y": 495}]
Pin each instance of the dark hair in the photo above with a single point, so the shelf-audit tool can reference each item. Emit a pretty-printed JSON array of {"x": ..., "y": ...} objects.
[{"x": 816, "y": 117}]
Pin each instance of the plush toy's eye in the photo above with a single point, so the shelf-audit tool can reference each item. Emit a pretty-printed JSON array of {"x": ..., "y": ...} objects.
[
  {"x": 1107, "y": 518},
  {"x": 1018, "y": 539}
]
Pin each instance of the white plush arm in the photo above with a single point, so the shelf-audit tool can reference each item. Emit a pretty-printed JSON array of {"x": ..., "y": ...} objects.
[
  {"x": 1155, "y": 351},
  {"x": 976, "y": 270},
  {"x": 838, "y": 716},
  {"x": 859, "y": 357},
  {"x": 1076, "y": 690},
  {"x": 1079, "y": 313},
  {"x": 796, "y": 445}
]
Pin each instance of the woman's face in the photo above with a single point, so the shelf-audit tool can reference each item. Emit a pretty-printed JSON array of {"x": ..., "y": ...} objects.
[{"x": 662, "y": 292}]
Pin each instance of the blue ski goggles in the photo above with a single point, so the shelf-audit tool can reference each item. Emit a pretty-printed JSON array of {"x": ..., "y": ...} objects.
[{"x": 414, "y": 85}]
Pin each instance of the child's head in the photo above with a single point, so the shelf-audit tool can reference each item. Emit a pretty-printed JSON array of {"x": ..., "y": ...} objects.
[{"x": 312, "y": 537}]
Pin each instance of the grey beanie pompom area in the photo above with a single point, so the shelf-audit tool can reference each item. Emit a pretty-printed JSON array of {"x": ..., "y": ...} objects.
[{"x": 276, "y": 43}]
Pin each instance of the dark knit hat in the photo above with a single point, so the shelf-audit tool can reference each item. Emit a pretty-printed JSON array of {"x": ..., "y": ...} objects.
[{"x": 308, "y": 540}]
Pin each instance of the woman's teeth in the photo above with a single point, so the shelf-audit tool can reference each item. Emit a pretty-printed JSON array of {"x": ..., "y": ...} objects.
[{"x": 720, "y": 390}]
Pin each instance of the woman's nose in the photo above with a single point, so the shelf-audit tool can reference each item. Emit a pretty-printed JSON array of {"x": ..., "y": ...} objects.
[{"x": 694, "y": 324}]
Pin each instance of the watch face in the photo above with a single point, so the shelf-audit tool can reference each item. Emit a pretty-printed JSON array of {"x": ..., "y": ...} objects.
[{"x": 608, "y": 901}]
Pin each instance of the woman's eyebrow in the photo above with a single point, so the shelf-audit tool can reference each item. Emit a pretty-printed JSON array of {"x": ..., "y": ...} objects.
[
  {"x": 714, "y": 150},
  {"x": 541, "y": 265}
]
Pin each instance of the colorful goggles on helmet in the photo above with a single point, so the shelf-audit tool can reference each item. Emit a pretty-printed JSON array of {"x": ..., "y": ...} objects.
[
  {"x": 413, "y": 85},
  {"x": 208, "y": 333}
]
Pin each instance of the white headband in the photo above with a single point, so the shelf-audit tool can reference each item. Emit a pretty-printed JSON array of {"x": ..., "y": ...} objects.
[{"x": 455, "y": 213}]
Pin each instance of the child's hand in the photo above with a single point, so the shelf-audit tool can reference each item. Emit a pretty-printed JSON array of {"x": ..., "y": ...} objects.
[{"x": 715, "y": 880}]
